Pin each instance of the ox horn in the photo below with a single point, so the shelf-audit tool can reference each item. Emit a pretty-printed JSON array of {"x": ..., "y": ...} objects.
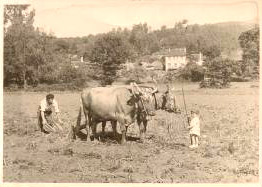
[
  {"x": 155, "y": 90},
  {"x": 134, "y": 85}
]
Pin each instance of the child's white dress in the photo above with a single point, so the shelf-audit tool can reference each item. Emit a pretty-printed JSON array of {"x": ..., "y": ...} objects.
[{"x": 195, "y": 122}]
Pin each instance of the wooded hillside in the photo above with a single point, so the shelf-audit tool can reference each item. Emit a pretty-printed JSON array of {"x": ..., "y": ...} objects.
[{"x": 32, "y": 56}]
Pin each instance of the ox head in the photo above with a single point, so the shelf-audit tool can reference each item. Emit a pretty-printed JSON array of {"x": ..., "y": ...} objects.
[{"x": 146, "y": 101}]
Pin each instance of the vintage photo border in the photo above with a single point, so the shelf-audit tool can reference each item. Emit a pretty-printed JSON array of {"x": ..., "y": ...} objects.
[{"x": 3, "y": 2}]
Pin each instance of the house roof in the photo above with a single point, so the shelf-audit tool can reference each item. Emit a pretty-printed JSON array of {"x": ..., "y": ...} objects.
[{"x": 172, "y": 52}]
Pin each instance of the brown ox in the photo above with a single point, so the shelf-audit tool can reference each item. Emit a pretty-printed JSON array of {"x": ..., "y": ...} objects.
[{"x": 117, "y": 104}]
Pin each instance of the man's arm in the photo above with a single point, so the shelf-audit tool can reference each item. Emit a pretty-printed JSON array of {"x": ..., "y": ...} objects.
[
  {"x": 57, "y": 112},
  {"x": 42, "y": 109},
  {"x": 43, "y": 117},
  {"x": 58, "y": 117}
]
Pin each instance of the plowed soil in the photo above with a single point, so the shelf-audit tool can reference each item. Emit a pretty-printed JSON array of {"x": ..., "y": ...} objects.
[{"x": 228, "y": 151}]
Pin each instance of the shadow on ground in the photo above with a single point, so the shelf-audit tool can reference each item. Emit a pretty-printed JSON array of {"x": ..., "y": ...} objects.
[{"x": 106, "y": 137}]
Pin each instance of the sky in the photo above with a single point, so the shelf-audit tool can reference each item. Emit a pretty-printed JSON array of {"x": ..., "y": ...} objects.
[{"x": 72, "y": 18}]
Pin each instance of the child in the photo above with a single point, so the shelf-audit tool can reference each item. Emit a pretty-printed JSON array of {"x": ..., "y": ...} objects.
[{"x": 194, "y": 129}]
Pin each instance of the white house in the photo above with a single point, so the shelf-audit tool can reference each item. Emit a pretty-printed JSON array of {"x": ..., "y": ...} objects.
[
  {"x": 173, "y": 58},
  {"x": 196, "y": 58},
  {"x": 129, "y": 66},
  {"x": 78, "y": 61}
]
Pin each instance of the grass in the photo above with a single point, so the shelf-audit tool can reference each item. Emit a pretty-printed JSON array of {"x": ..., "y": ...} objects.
[{"x": 228, "y": 150}]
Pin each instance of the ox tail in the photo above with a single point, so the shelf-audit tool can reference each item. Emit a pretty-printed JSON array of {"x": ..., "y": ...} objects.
[
  {"x": 75, "y": 129},
  {"x": 79, "y": 115}
]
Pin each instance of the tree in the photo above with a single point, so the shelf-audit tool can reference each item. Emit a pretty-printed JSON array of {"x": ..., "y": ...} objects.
[
  {"x": 220, "y": 71},
  {"x": 144, "y": 42},
  {"x": 249, "y": 42},
  {"x": 30, "y": 56},
  {"x": 211, "y": 52},
  {"x": 19, "y": 43},
  {"x": 109, "y": 52},
  {"x": 61, "y": 46},
  {"x": 193, "y": 72}
]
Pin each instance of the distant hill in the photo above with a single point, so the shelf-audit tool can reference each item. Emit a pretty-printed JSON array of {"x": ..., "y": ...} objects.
[
  {"x": 224, "y": 35},
  {"x": 247, "y": 24},
  {"x": 236, "y": 28},
  {"x": 229, "y": 33}
]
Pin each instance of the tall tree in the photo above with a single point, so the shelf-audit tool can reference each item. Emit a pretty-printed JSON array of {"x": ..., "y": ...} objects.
[
  {"x": 19, "y": 34},
  {"x": 110, "y": 51},
  {"x": 249, "y": 42},
  {"x": 144, "y": 41}
]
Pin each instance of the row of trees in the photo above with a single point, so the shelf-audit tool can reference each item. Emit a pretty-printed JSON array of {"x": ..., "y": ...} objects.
[{"x": 32, "y": 56}]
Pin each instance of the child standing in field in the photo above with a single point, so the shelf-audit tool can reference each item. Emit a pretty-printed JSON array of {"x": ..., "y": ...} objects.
[{"x": 194, "y": 129}]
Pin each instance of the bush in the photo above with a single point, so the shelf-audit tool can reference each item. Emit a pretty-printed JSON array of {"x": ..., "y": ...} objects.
[
  {"x": 218, "y": 71},
  {"x": 134, "y": 75},
  {"x": 170, "y": 76},
  {"x": 193, "y": 72},
  {"x": 238, "y": 79},
  {"x": 68, "y": 73}
]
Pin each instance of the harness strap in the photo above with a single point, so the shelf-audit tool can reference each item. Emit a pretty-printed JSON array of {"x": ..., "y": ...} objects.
[
  {"x": 133, "y": 84},
  {"x": 145, "y": 110}
]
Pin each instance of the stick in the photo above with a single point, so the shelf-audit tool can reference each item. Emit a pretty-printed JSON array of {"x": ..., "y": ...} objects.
[{"x": 185, "y": 103}]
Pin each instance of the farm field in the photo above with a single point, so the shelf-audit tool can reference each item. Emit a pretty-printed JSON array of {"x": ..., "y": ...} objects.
[{"x": 228, "y": 152}]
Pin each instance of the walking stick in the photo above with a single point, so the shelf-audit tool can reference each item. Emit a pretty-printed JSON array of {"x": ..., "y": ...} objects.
[{"x": 185, "y": 103}]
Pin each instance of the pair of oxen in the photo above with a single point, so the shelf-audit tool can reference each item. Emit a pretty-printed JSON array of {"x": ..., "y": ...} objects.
[{"x": 121, "y": 104}]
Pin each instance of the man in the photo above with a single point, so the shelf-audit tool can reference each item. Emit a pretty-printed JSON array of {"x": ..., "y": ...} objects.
[
  {"x": 172, "y": 105},
  {"x": 47, "y": 114}
]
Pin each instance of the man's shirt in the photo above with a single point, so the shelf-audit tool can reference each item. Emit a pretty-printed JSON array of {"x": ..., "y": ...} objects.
[{"x": 44, "y": 106}]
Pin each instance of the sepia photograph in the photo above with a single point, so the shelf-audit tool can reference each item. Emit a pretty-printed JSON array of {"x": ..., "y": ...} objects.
[{"x": 131, "y": 91}]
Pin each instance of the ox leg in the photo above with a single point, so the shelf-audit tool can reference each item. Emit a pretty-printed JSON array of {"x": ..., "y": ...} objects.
[
  {"x": 87, "y": 123},
  {"x": 75, "y": 131},
  {"x": 113, "y": 123},
  {"x": 93, "y": 135},
  {"x": 88, "y": 129},
  {"x": 123, "y": 130},
  {"x": 103, "y": 129},
  {"x": 88, "y": 126},
  {"x": 143, "y": 130},
  {"x": 142, "y": 127},
  {"x": 72, "y": 134}
]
